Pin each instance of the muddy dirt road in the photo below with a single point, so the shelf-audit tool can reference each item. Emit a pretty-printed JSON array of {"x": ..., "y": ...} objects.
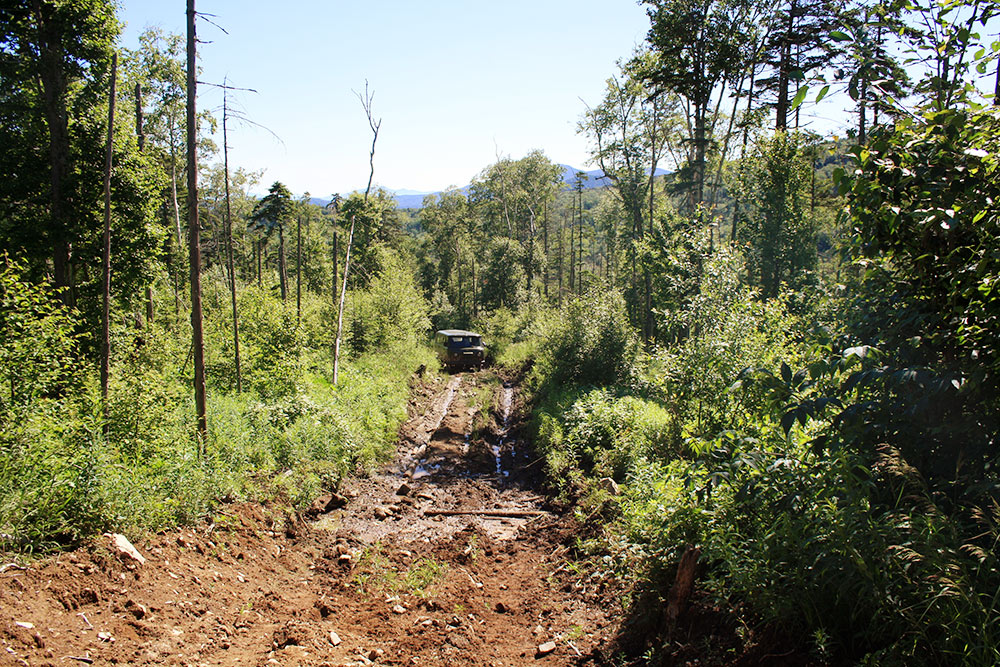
[{"x": 448, "y": 556}]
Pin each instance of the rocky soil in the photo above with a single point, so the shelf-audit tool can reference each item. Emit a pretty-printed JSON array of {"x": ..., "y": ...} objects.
[{"x": 450, "y": 555}]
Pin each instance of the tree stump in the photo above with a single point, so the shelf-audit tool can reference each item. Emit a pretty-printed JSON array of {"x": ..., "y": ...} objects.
[{"x": 680, "y": 593}]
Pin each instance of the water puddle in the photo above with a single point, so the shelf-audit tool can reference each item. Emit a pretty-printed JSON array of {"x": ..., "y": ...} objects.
[
  {"x": 508, "y": 399},
  {"x": 425, "y": 470}
]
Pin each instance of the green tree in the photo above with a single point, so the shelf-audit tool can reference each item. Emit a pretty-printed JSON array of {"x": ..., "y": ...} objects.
[
  {"x": 628, "y": 132},
  {"x": 38, "y": 344},
  {"x": 271, "y": 214},
  {"x": 774, "y": 180},
  {"x": 504, "y": 282},
  {"x": 54, "y": 57},
  {"x": 451, "y": 226},
  {"x": 51, "y": 210},
  {"x": 925, "y": 223},
  {"x": 798, "y": 47},
  {"x": 377, "y": 224},
  {"x": 699, "y": 53},
  {"x": 391, "y": 311},
  {"x": 512, "y": 196}
]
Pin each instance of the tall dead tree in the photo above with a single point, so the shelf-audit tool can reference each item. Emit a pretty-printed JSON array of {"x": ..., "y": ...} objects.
[
  {"x": 366, "y": 103},
  {"x": 298, "y": 270},
  {"x": 140, "y": 136},
  {"x": 106, "y": 282},
  {"x": 334, "y": 205},
  {"x": 229, "y": 243},
  {"x": 194, "y": 232}
]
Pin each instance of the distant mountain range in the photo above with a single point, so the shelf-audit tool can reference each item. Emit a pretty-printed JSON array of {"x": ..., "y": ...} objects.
[{"x": 415, "y": 199}]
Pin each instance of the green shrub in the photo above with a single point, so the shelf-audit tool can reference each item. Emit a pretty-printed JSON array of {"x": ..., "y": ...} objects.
[
  {"x": 593, "y": 344},
  {"x": 513, "y": 338},
  {"x": 38, "y": 346},
  {"x": 391, "y": 310},
  {"x": 729, "y": 329}
]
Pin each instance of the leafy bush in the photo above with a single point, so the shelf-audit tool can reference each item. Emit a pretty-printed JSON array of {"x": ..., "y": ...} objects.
[
  {"x": 593, "y": 344},
  {"x": 602, "y": 434},
  {"x": 288, "y": 435},
  {"x": 513, "y": 337},
  {"x": 390, "y": 311},
  {"x": 38, "y": 345},
  {"x": 923, "y": 208}
]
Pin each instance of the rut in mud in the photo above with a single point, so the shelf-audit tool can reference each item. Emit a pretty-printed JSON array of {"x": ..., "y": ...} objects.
[{"x": 450, "y": 555}]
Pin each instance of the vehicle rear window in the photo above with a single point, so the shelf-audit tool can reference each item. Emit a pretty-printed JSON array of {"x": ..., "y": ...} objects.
[{"x": 464, "y": 341}]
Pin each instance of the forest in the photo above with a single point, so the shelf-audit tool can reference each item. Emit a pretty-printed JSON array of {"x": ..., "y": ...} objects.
[{"x": 783, "y": 352}]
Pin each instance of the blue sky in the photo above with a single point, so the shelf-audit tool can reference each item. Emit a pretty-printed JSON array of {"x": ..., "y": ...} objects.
[{"x": 456, "y": 82}]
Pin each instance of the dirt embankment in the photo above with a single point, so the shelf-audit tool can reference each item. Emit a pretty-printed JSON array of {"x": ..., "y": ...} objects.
[{"x": 448, "y": 556}]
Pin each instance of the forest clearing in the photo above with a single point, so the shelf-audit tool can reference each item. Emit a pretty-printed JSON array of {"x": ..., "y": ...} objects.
[{"x": 726, "y": 391}]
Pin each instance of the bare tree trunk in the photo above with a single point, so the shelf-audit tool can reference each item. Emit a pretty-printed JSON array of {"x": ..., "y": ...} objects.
[
  {"x": 579, "y": 246},
  {"x": 298, "y": 271},
  {"x": 743, "y": 150},
  {"x": 229, "y": 247},
  {"x": 340, "y": 310},
  {"x": 700, "y": 147},
  {"x": 173, "y": 278},
  {"x": 996, "y": 87},
  {"x": 335, "y": 259},
  {"x": 652, "y": 168},
  {"x": 530, "y": 269},
  {"x": 366, "y": 103},
  {"x": 54, "y": 86},
  {"x": 173, "y": 197},
  {"x": 784, "y": 71},
  {"x": 545, "y": 250},
  {"x": 106, "y": 282},
  {"x": 197, "y": 335},
  {"x": 282, "y": 271},
  {"x": 140, "y": 136},
  {"x": 572, "y": 253},
  {"x": 559, "y": 263},
  {"x": 458, "y": 270}
]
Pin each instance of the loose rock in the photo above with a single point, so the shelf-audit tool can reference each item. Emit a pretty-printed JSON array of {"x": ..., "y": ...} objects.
[
  {"x": 121, "y": 543},
  {"x": 545, "y": 649},
  {"x": 609, "y": 486}
]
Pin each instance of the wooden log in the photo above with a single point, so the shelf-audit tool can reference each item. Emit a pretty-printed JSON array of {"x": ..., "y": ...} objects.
[{"x": 514, "y": 514}]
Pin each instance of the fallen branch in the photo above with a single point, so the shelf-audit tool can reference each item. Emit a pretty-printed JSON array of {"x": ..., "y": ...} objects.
[{"x": 513, "y": 514}]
